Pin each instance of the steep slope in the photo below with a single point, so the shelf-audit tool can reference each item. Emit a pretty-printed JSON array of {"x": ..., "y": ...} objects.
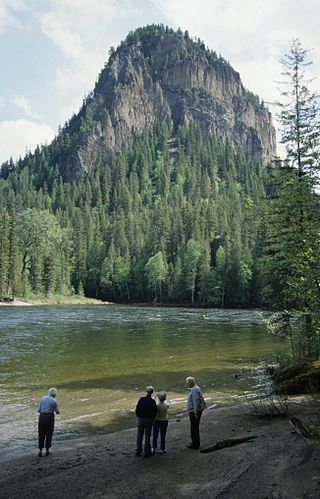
[{"x": 160, "y": 75}]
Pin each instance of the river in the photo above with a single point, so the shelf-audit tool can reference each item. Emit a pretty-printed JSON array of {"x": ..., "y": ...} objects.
[{"x": 101, "y": 357}]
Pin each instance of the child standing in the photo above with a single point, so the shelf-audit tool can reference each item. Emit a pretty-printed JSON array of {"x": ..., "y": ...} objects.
[{"x": 161, "y": 422}]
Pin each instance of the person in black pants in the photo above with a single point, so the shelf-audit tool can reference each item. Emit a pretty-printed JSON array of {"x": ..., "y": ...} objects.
[
  {"x": 195, "y": 406},
  {"x": 146, "y": 411},
  {"x": 47, "y": 407}
]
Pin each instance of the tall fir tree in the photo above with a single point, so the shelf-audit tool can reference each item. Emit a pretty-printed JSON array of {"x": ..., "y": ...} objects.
[{"x": 294, "y": 241}]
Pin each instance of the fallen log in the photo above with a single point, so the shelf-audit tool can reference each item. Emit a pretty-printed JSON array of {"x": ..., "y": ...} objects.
[
  {"x": 299, "y": 427},
  {"x": 228, "y": 443}
]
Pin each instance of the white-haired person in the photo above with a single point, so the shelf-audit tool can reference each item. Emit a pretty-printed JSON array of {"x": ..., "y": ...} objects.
[
  {"x": 48, "y": 405},
  {"x": 160, "y": 423},
  {"x": 146, "y": 410},
  {"x": 195, "y": 406}
]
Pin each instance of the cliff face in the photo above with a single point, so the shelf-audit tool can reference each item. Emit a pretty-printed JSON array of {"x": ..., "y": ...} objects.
[{"x": 167, "y": 76}]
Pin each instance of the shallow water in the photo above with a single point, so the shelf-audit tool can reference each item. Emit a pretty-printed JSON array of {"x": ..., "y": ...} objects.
[{"x": 100, "y": 357}]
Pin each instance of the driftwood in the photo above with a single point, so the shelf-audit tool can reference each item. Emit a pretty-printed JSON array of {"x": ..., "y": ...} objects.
[
  {"x": 228, "y": 443},
  {"x": 299, "y": 427}
]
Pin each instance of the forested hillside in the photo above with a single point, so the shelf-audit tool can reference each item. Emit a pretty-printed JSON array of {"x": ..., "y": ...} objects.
[
  {"x": 154, "y": 191},
  {"x": 175, "y": 218}
]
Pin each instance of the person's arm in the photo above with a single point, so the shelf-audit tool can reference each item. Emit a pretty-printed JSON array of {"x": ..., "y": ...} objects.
[
  {"x": 196, "y": 402},
  {"x": 39, "y": 406},
  {"x": 138, "y": 407},
  {"x": 155, "y": 409},
  {"x": 57, "y": 408}
]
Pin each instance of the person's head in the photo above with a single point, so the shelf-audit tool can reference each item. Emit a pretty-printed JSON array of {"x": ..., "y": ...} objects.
[
  {"x": 190, "y": 381},
  {"x": 53, "y": 392},
  {"x": 162, "y": 396},
  {"x": 149, "y": 390}
]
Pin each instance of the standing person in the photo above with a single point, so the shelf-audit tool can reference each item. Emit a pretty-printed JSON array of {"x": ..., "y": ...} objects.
[
  {"x": 195, "y": 406},
  {"x": 160, "y": 423},
  {"x": 47, "y": 407},
  {"x": 146, "y": 411}
]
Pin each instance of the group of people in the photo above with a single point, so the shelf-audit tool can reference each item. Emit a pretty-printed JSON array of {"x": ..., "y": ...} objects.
[{"x": 152, "y": 419}]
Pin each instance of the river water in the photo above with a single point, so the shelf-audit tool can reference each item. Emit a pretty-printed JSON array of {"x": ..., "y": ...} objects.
[{"x": 101, "y": 357}]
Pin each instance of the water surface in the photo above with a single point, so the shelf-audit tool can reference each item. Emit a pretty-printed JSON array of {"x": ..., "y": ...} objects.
[{"x": 101, "y": 357}]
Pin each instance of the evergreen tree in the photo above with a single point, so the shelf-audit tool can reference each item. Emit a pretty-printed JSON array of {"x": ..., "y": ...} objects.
[
  {"x": 218, "y": 279},
  {"x": 191, "y": 265},
  {"x": 299, "y": 112},
  {"x": 295, "y": 213},
  {"x": 12, "y": 247},
  {"x": 79, "y": 253},
  {"x": 4, "y": 253}
]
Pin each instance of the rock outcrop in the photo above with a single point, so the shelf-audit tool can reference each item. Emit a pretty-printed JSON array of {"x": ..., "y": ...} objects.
[{"x": 155, "y": 75}]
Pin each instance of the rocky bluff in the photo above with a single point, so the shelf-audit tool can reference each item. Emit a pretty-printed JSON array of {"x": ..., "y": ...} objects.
[{"x": 159, "y": 74}]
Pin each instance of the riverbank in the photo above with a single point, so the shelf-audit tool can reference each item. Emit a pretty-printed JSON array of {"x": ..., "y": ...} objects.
[
  {"x": 53, "y": 300},
  {"x": 278, "y": 463}
]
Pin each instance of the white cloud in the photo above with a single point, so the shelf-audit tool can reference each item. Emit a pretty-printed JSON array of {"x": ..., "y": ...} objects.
[
  {"x": 22, "y": 103},
  {"x": 17, "y": 137},
  {"x": 78, "y": 15},
  {"x": 79, "y": 76},
  {"x": 57, "y": 28},
  {"x": 80, "y": 31},
  {"x": 8, "y": 14},
  {"x": 73, "y": 106},
  {"x": 83, "y": 33}
]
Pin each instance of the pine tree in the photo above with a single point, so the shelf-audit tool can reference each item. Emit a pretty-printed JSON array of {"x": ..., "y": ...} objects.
[
  {"x": 79, "y": 253},
  {"x": 191, "y": 265},
  {"x": 4, "y": 253},
  {"x": 299, "y": 112},
  {"x": 295, "y": 214},
  {"x": 12, "y": 246}
]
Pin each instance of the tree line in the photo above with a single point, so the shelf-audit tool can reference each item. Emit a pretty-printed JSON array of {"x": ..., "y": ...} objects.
[{"x": 175, "y": 219}]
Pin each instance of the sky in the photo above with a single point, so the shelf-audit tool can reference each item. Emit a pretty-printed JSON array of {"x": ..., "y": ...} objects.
[{"x": 52, "y": 51}]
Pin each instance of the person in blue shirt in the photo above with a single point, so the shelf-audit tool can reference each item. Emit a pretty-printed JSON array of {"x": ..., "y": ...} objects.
[
  {"x": 47, "y": 407},
  {"x": 146, "y": 410}
]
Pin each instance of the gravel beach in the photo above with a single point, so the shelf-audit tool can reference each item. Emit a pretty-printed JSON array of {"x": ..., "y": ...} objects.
[{"x": 278, "y": 463}]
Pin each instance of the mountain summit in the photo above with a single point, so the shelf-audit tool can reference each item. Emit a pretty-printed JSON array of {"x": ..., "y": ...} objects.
[{"x": 158, "y": 74}]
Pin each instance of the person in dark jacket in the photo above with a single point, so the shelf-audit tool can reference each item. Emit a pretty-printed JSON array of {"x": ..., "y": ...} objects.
[
  {"x": 146, "y": 411},
  {"x": 47, "y": 407}
]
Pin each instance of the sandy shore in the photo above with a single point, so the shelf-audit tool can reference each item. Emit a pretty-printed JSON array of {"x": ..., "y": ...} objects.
[
  {"x": 64, "y": 300},
  {"x": 278, "y": 463},
  {"x": 15, "y": 303}
]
